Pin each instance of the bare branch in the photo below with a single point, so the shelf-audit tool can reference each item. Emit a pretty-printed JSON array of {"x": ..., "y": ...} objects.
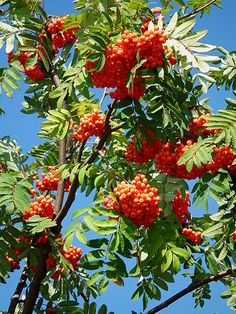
[
  {"x": 62, "y": 154},
  {"x": 15, "y": 299},
  {"x": 194, "y": 285},
  {"x": 103, "y": 96},
  {"x": 34, "y": 286},
  {"x": 192, "y": 14}
]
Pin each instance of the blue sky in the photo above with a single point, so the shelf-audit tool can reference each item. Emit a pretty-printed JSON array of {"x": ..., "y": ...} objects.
[{"x": 221, "y": 25}]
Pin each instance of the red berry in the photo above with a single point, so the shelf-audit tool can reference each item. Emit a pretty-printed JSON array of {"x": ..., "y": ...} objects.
[
  {"x": 180, "y": 206},
  {"x": 194, "y": 236},
  {"x": 90, "y": 124},
  {"x": 42, "y": 206},
  {"x": 136, "y": 200}
]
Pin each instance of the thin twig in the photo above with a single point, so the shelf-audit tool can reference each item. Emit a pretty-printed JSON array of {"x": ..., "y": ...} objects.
[
  {"x": 15, "y": 299},
  {"x": 194, "y": 285},
  {"x": 192, "y": 14},
  {"x": 62, "y": 154},
  {"x": 103, "y": 96}
]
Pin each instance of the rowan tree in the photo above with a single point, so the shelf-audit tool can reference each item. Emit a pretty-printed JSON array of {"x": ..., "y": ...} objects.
[{"x": 121, "y": 88}]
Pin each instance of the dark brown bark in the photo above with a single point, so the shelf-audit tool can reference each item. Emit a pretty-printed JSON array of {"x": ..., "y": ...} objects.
[
  {"x": 15, "y": 299},
  {"x": 34, "y": 287},
  {"x": 71, "y": 196},
  {"x": 194, "y": 285},
  {"x": 41, "y": 271}
]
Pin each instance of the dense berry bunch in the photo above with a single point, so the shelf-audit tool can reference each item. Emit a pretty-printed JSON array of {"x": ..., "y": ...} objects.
[
  {"x": 194, "y": 236},
  {"x": 50, "y": 181},
  {"x": 180, "y": 206},
  {"x": 197, "y": 126},
  {"x": 121, "y": 57},
  {"x": 73, "y": 255},
  {"x": 136, "y": 200},
  {"x": 147, "y": 151},
  {"x": 59, "y": 37},
  {"x": 223, "y": 157},
  {"x": 90, "y": 124},
  {"x": 42, "y": 206},
  {"x": 34, "y": 72},
  {"x": 168, "y": 156}
]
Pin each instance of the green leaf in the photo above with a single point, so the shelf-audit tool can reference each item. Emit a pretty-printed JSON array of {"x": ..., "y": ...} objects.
[
  {"x": 213, "y": 230},
  {"x": 168, "y": 261},
  {"x": 91, "y": 223},
  {"x": 137, "y": 293},
  {"x": 103, "y": 285},
  {"x": 103, "y": 309},
  {"x": 172, "y": 23},
  {"x": 82, "y": 174},
  {"x": 80, "y": 236},
  {"x": 31, "y": 61},
  {"x": 180, "y": 252},
  {"x": 183, "y": 29},
  {"x": 176, "y": 264},
  {"x": 10, "y": 43}
]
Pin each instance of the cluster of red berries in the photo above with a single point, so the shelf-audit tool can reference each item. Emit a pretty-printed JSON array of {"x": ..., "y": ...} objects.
[
  {"x": 197, "y": 126},
  {"x": 36, "y": 71},
  {"x": 168, "y": 156},
  {"x": 42, "y": 240},
  {"x": 73, "y": 255},
  {"x": 51, "y": 310},
  {"x": 50, "y": 181},
  {"x": 59, "y": 37},
  {"x": 90, "y": 124},
  {"x": 180, "y": 206},
  {"x": 136, "y": 200},
  {"x": 223, "y": 157},
  {"x": 121, "y": 57},
  {"x": 15, "y": 264},
  {"x": 147, "y": 151},
  {"x": 234, "y": 236},
  {"x": 194, "y": 236},
  {"x": 146, "y": 20},
  {"x": 42, "y": 206}
]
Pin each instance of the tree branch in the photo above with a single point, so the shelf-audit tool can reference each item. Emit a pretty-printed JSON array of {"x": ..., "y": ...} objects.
[
  {"x": 192, "y": 14},
  {"x": 15, "y": 299},
  {"x": 62, "y": 155},
  {"x": 194, "y": 285},
  {"x": 41, "y": 270},
  {"x": 34, "y": 286},
  {"x": 71, "y": 196}
]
